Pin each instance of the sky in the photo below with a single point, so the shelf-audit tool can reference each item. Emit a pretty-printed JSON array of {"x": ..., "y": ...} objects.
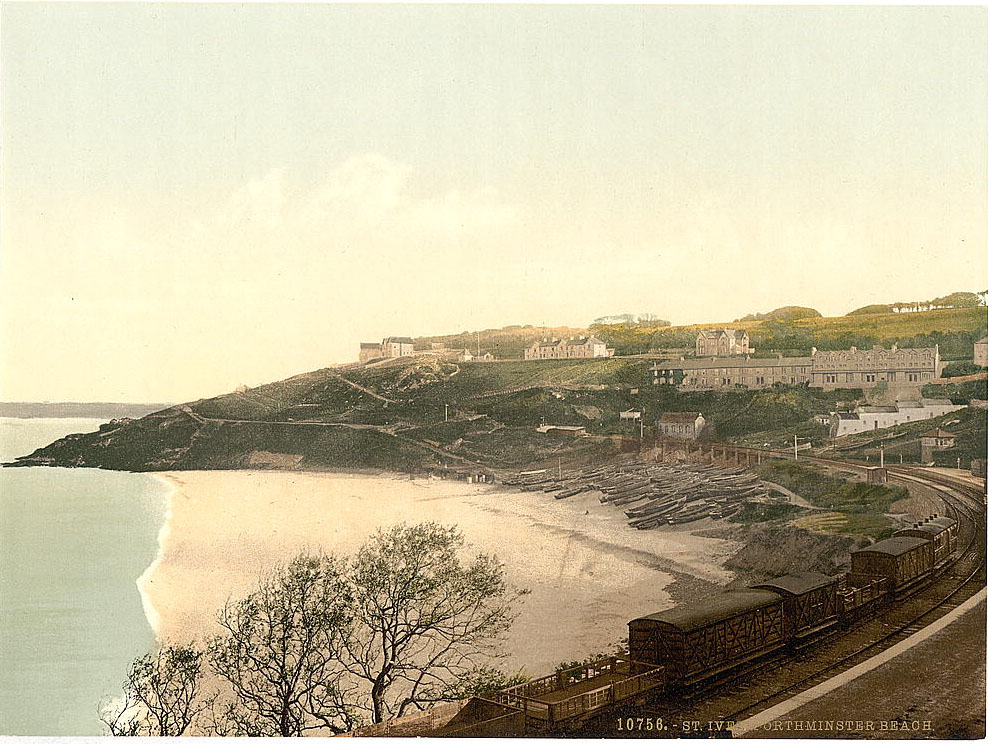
[{"x": 194, "y": 197}]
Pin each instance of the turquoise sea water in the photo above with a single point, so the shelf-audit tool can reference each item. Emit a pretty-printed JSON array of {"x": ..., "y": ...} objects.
[{"x": 73, "y": 542}]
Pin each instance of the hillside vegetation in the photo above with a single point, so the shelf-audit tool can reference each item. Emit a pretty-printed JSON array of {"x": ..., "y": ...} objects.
[
  {"x": 420, "y": 413},
  {"x": 427, "y": 412},
  {"x": 790, "y": 330},
  {"x": 787, "y": 313},
  {"x": 955, "y": 330}
]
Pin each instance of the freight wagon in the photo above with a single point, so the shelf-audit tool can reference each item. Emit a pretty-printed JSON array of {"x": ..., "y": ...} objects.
[
  {"x": 941, "y": 531},
  {"x": 697, "y": 642},
  {"x": 904, "y": 561},
  {"x": 811, "y": 604}
]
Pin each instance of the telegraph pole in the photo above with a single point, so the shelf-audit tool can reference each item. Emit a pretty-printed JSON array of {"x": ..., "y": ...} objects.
[
  {"x": 446, "y": 412},
  {"x": 881, "y": 452}
]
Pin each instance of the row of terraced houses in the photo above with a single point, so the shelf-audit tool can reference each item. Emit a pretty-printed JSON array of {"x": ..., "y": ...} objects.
[{"x": 846, "y": 368}]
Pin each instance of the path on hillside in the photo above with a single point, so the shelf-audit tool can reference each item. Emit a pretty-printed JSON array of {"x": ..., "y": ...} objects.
[
  {"x": 213, "y": 420},
  {"x": 391, "y": 431},
  {"x": 371, "y": 393}
]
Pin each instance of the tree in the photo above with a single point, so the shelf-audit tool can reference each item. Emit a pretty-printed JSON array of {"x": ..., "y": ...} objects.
[
  {"x": 482, "y": 681},
  {"x": 280, "y": 653},
  {"x": 162, "y": 694},
  {"x": 422, "y": 619}
]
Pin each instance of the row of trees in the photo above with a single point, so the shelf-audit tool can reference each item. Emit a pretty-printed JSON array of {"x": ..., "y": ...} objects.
[{"x": 327, "y": 642}]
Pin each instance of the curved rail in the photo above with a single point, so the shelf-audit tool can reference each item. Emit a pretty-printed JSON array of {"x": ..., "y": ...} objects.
[{"x": 955, "y": 495}]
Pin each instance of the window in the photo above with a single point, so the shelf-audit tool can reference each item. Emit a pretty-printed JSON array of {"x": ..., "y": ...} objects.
[
  {"x": 848, "y": 377},
  {"x": 869, "y": 378}
]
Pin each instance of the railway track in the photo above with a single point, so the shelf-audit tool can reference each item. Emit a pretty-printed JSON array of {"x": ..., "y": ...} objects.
[
  {"x": 754, "y": 689},
  {"x": 954, "y": 583}
]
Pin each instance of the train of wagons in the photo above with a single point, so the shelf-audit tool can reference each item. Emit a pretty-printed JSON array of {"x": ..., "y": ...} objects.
[{"x": 730, "y": 630}]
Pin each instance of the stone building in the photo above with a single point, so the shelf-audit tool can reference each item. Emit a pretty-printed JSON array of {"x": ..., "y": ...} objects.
[
  {"x": 869, "y": 418},
  {"x": 865, "y": 368},
  {"x": 392, "y": 346},
  {"x": 680, "y": 424},
  {"x": 584, "y": 348},
  {"x": 936, "y": 440},
  {"x": 728, "y": 374},
  {"x": 981, "y": 352},
  {"x": 719, "y": 342},
  {"x": 397, "y": 346}
]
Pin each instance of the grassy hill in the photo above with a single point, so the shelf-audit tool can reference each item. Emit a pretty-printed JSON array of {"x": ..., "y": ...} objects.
[
  {"x": 954, "y": 329},
  {"x": 427, "y": 412},
  {"x": 420, "y": 413},
  {"x": 789, "y": 330}
]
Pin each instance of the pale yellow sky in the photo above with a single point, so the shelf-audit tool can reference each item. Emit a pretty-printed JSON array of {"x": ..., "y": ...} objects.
[{"x": 198, "y": 196}]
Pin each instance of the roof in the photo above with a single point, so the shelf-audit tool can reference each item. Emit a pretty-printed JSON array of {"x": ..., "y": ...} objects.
[
  {"x": 927, "y": 527},
  {"x": 893, "y": 546},
  {"x": 847, "y": 416},
  {"x": 679, "y": 417},
  {"x": 938, "y": 433},
  {"x": 877, "y": 409},
  {"x": 589, "y": 340},
  {"x": 798, "y": 583},
  {"x": 926, "y": 402},
  {"x": 370, "y": 346},
  {"x": 943, "y": 521},
  {"x": 733, "y": 362},
  {"x": 714, "y": 332},
  {"x": 714, "y": 609},
  {"x": 398, "y": 340}
]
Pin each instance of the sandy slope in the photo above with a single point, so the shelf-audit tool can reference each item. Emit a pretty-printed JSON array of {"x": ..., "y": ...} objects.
[{"x": 589, "y": 573}]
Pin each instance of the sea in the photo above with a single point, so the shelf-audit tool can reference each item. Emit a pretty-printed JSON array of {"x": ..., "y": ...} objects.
[{"x": 73, "y": 543}]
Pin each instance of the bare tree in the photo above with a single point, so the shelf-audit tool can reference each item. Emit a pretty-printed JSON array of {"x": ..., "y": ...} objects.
[
  {"x": 280, "y": 654},
  {"x": 162, "y": 694},
  {"x": 422, "y": 619}
]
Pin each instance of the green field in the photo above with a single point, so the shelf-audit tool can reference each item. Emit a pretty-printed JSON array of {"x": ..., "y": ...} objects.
[{"x": 851, "y": 508}]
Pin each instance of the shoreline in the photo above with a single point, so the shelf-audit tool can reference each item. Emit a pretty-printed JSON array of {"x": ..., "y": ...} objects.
[
  {"x": 588, "y": 572},
  {"x": 150, "y": 611}
]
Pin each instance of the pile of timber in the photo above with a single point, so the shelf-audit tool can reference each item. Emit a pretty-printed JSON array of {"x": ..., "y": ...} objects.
[{"x": 656, "y": 493}]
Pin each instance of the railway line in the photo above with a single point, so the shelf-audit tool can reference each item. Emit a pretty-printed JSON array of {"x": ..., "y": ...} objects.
[
  {"x": 755, "y": 689},
  {"x": 698, "y": 670}
]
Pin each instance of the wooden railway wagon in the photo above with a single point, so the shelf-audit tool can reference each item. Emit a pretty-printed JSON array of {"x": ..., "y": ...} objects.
[
  {"x": 941, "y": 531},
  {"x": 904, "y": 561},
  {"x": 811, "y": 603},
  {"x": 697, "y": 642}
]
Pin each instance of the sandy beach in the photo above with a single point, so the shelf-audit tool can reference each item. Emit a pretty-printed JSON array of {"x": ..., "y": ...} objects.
[{"x": 588, "y": 572}]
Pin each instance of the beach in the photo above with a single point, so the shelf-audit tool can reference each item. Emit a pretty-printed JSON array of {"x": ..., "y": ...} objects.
[{"x": 588, "y": 572}]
